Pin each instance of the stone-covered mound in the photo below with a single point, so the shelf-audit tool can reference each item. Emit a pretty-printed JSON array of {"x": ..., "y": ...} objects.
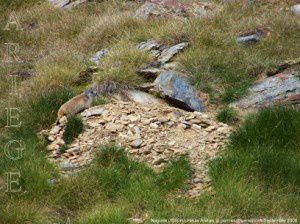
[{"x": 151, "y": 134}]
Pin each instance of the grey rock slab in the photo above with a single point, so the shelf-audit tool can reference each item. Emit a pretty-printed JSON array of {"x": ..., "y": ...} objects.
[
  {"x": 140, "y": 97},
  {"x": 93, "y": 111},
  {"x": 148, "y": 45},
  {"x": 271, "y": 90},
  {"x": 59, "y": 3},
  {"x": 167, "y": 54},
  {"x": 74, "y": 4},
  {"x": 178, "y": 91}
]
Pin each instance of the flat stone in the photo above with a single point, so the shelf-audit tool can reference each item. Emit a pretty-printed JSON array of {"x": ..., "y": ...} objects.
[
  {"x": 158, "y": 161},
  {"x": 136, "y": 143},
  {"x": 169, "y": 53},
  {"x": 270, "y": 91},
  {"x": 66, "y": 166},
  {"x": 94, "y": 111},
  {"x": 148, "y": 45},
  {"x": 252, "y": 36},
  {"x": 60, "y": 3},
  {"x": 113, "y": 127},
  {"x": 142, "y": 97},
  {"x": 74, "y": 4}
]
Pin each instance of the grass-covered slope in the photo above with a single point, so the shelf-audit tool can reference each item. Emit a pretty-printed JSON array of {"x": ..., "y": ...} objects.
[
  {"x": 58, "y": 43},
  {"x": 258, "y": 174}
]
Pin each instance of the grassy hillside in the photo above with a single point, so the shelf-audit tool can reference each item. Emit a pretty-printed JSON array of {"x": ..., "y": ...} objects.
[{"x": 257, "y": 177}]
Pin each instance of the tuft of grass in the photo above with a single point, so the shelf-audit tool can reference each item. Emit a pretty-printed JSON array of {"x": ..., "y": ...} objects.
[
  {"x": 261, "y": 161},
  {"x": 175, "y": 175},
  {"x": 228, "y": 115},
  {"x": 73, "y": 128}
]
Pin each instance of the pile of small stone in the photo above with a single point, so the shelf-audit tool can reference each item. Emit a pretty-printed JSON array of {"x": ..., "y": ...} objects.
[{"x": 152, "y": 134}]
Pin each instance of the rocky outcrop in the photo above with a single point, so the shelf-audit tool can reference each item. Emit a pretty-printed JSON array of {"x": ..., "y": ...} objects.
[
  {"x": 151, "y": 134},
  {"x": 162, "y": 55},
  {"x": 177, "y": 90},
  {"x": 176, "y": 8},
  {"x": 279, "y": 89}
]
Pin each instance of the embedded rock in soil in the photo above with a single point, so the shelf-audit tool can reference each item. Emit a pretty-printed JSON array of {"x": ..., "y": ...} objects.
[
  {"x": 177, "y": 90},
  {"x": 278, "y": 89}
]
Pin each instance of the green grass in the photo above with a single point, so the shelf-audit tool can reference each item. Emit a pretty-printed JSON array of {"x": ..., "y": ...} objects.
[
  {"x": 73, "y": 128},
  {"x": 228, "y": 115},
  {"x": 262, "y": 161}
]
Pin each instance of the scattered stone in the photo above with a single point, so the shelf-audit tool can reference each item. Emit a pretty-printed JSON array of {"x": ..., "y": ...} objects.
[
  {"x": 150, "y": 72},
  {"x": 148, "y": 45},
  {"x": 96, "y": 58},
  {"x": 150, "y": 134},
  {"x": 253, "y": 36},
  {"x": 162, "y": 56},
  {"x": 66, "y": 4},
  {"x": 113, "y": 127},
  {"x": 158, "y": 161},
  {"x": 296, "y": 9},
  {"x": 74, "y": 4},
  {"x": 66, "y": 166},
  {"x": 136, "y": 143},
  {"x": 169, "y": 53},
  {"x": 93, "y": 111},
  {"x": 270, "y": 91},
  {"x": 52, "y": 181},
  {"x": 176, "y": 8},
  {"x": 154, "y": 125},
  {"x": 142, "y": 97},
  {"x": 55, "y": 130},
  {"x": 59, "y": 3},
  {"x": 177, "y": 91}
]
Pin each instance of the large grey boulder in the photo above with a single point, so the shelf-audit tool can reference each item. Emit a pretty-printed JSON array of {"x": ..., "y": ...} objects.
[
  {"x": 278, "y": 89},
  {"x": 177, "y": 90}
]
